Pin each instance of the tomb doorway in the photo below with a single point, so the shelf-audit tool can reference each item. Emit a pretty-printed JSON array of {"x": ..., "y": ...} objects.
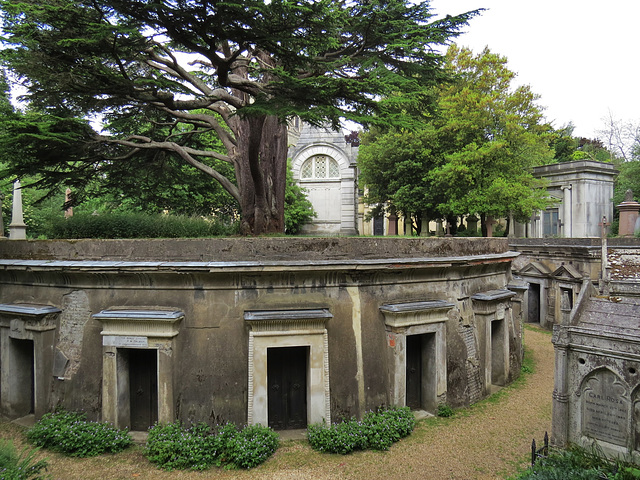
[
  {"x": 287, "y": 387},
  {"x": 143, "y": 387},
  {"x": 498, "y": 366},
  {"x": 22, "y": 365},
  {"x": 534, "y": 303},
  {"x": 420, "y": 372}
]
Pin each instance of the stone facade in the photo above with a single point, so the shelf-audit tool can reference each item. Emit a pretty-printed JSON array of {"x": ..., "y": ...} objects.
[
  {"x": 138, "y": 331},
  {"x": 324, "y": 164},
  {"x": 582, "y": 191}
]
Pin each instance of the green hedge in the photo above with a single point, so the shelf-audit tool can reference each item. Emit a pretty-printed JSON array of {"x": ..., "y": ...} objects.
[
  {"x": 137, "y": 225},
  {"x": 176, "y": 447},
  {"x": 376, "y": 431}
]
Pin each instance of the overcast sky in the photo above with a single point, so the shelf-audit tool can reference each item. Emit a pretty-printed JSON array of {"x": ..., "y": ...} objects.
[{"x": 580, "y": 56}]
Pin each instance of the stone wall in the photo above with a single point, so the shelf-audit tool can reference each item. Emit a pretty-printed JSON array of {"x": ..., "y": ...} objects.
[{"x": 210, "y": 311}]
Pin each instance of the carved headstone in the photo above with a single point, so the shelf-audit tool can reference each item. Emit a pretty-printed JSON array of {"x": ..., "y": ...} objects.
[
  {"x": 17, "y": 227},
  {"x": 605, "y": 408}
]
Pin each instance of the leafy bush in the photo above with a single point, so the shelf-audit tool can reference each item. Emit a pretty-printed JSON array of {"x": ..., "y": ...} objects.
[
  {"x": 23, "y": 466},
  {"x": 173, "y": 446},
  {"x": 580, "y": 464},
  {"x": 72, "y": 434},
  {"x": 377, "y": 431},
  {"x": 444, "y": 411},
  {"x": 137, "y": 225}
]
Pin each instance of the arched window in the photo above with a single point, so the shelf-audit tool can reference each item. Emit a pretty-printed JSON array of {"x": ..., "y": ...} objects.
[{"x": 320, "y": 167}]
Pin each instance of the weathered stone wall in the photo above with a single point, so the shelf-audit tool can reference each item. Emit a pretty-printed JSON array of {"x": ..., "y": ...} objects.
[{"x": 214, "y": 283}]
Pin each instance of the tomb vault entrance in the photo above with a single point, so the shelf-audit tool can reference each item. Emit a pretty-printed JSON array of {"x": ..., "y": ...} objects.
[
  {"x": 288, "y": 368},
  {"x": 416, "y": 341},
  {"x": 27, "y": 337},
  {"x": 138, "y": 363}
]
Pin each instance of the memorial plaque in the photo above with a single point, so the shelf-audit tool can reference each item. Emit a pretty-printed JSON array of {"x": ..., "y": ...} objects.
[
  {"x": 605, "y": 408},
  {"x": 124, "y": 341}
]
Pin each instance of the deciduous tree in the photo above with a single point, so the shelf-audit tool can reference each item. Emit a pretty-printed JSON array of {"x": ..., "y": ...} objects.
[{"x": 238, "y": 70}]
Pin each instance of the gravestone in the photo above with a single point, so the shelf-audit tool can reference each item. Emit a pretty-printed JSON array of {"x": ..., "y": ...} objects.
[{"x": 597, "y": 375}]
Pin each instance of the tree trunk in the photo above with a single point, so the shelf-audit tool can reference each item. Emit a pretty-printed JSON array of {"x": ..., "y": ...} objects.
[{"x": 261, "y": 167}]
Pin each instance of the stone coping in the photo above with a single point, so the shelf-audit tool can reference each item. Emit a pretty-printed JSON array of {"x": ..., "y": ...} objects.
[
  {"x": 416, "y": 306},
  {"x": 283, "y": 315},
  {"x": 239, "y": 249},
  {"x": 25, "y": 309},
  {"x": 337, "y": 264},
  {"x": 493, "y": 295},
  {"x": 139, "y": 314}
]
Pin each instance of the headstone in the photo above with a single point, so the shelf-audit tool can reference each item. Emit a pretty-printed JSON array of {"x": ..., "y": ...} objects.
[
  {"x": 605, "y": 408},
  {"x": 68, "y": 212},
  {"x": 17, "y": 227}
]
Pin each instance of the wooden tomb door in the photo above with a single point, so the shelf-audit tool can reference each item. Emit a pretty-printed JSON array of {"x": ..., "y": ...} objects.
[
  {"x": 287, "y": 387},
  {"x": 143, "y": 388}
]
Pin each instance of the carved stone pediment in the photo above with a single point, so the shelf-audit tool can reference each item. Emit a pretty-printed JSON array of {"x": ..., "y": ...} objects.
[
  {"x": 535, "y": 269},
  {"x": 567, "y": 272}
]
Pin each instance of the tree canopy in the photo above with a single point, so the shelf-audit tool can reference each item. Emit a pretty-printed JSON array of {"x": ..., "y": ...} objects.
[
  {"x": 166, "y": 76},
  {"x": 480, "y": 147}
]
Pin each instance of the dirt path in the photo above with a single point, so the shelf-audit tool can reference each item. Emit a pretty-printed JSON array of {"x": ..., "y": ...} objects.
[{"x": 487, "y": 441}]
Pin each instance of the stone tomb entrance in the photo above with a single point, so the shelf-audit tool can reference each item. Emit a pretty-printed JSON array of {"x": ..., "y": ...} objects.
[
  {"x": 416, "y": 337},
  {"x": 288, "y": 368},
  {"x": 138, "y": 366},
  {"x": 27, "y": 338}
]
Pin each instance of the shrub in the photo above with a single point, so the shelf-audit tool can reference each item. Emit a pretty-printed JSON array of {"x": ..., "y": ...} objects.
[
  {"x": 72, "y": 434},
  {"x": 173, "y": 446},
  {"x": 23, "y": 466},
  {"x": 377, "y": 431},
  {"x": 580, "y": 464},
  {"x": 137, "y": 225},
  {"x": 444, "y": 411}
]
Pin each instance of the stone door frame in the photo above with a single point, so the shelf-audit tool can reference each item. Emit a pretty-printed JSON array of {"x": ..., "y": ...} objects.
[
  {"x": 137, "y": 328},
  {"x": 415, "y": 318},
  {"x": 37, "y": 323},
  {"x": 289, "y": 328}
]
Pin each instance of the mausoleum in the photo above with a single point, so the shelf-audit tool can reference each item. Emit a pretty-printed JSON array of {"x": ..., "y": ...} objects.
[{"x": 278, "y": 331}]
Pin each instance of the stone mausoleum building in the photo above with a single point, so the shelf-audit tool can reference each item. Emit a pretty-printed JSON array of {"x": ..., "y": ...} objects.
[{"x": 278, "y": 331}]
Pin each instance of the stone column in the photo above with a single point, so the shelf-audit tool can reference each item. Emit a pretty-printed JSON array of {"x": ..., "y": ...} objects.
[
  {"x": 17, "y": 227},
  {"x": 566, "y": 211},
  {"x": 1, "y": 221},
  {"x": 629, "y": 210}
]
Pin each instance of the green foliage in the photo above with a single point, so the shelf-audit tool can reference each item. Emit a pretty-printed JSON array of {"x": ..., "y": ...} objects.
[
  {"x": 444, "y": 411},
  {"x": 257, "y": 64},
  {"x": 580, "y": 464},
  {"x": 377, "y": 431},
  {"x": 475, "y": 156},
  {"x": 136, "y": 225},
  {"x": 23, "y": 466},
  {"x": 176, "y": 447},
  {"x": 297, "y": 207},
  {"x": 70, "y": 433},
  {"x": 251, "y": 446}
]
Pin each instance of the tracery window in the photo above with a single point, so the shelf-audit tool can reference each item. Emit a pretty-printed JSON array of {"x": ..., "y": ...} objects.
[{"x": 320, "y": 166}]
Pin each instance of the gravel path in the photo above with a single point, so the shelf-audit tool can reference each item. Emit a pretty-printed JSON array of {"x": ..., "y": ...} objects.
[{"x": 491, "y": 440}]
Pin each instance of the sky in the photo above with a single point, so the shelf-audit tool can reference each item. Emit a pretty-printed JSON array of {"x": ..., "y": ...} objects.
[{"x": 580, "y": 56}]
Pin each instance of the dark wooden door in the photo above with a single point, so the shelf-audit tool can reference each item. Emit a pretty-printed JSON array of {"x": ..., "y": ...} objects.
[
  {"x": 287, "y": 387},
  {"x": 534, "y": 303},
  {"x": 414, "y": 372},
  {"x": 143, "y": 388},
  {"x": 378, "y": 225}
]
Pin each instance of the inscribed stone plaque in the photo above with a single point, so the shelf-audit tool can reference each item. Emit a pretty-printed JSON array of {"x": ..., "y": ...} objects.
[
  {"x": 123, "y": 342},
  {"x": 605, "y": 408}
]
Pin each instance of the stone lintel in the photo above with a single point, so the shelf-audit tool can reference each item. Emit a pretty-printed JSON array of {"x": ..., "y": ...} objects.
[
  {"x": 27, "y": 310},
  {"x": 402, "y": 315},
  {"x": 152, "y": 322},
  {"x": 303, "y": 321},
  {"x": 492, "y": 295}
]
